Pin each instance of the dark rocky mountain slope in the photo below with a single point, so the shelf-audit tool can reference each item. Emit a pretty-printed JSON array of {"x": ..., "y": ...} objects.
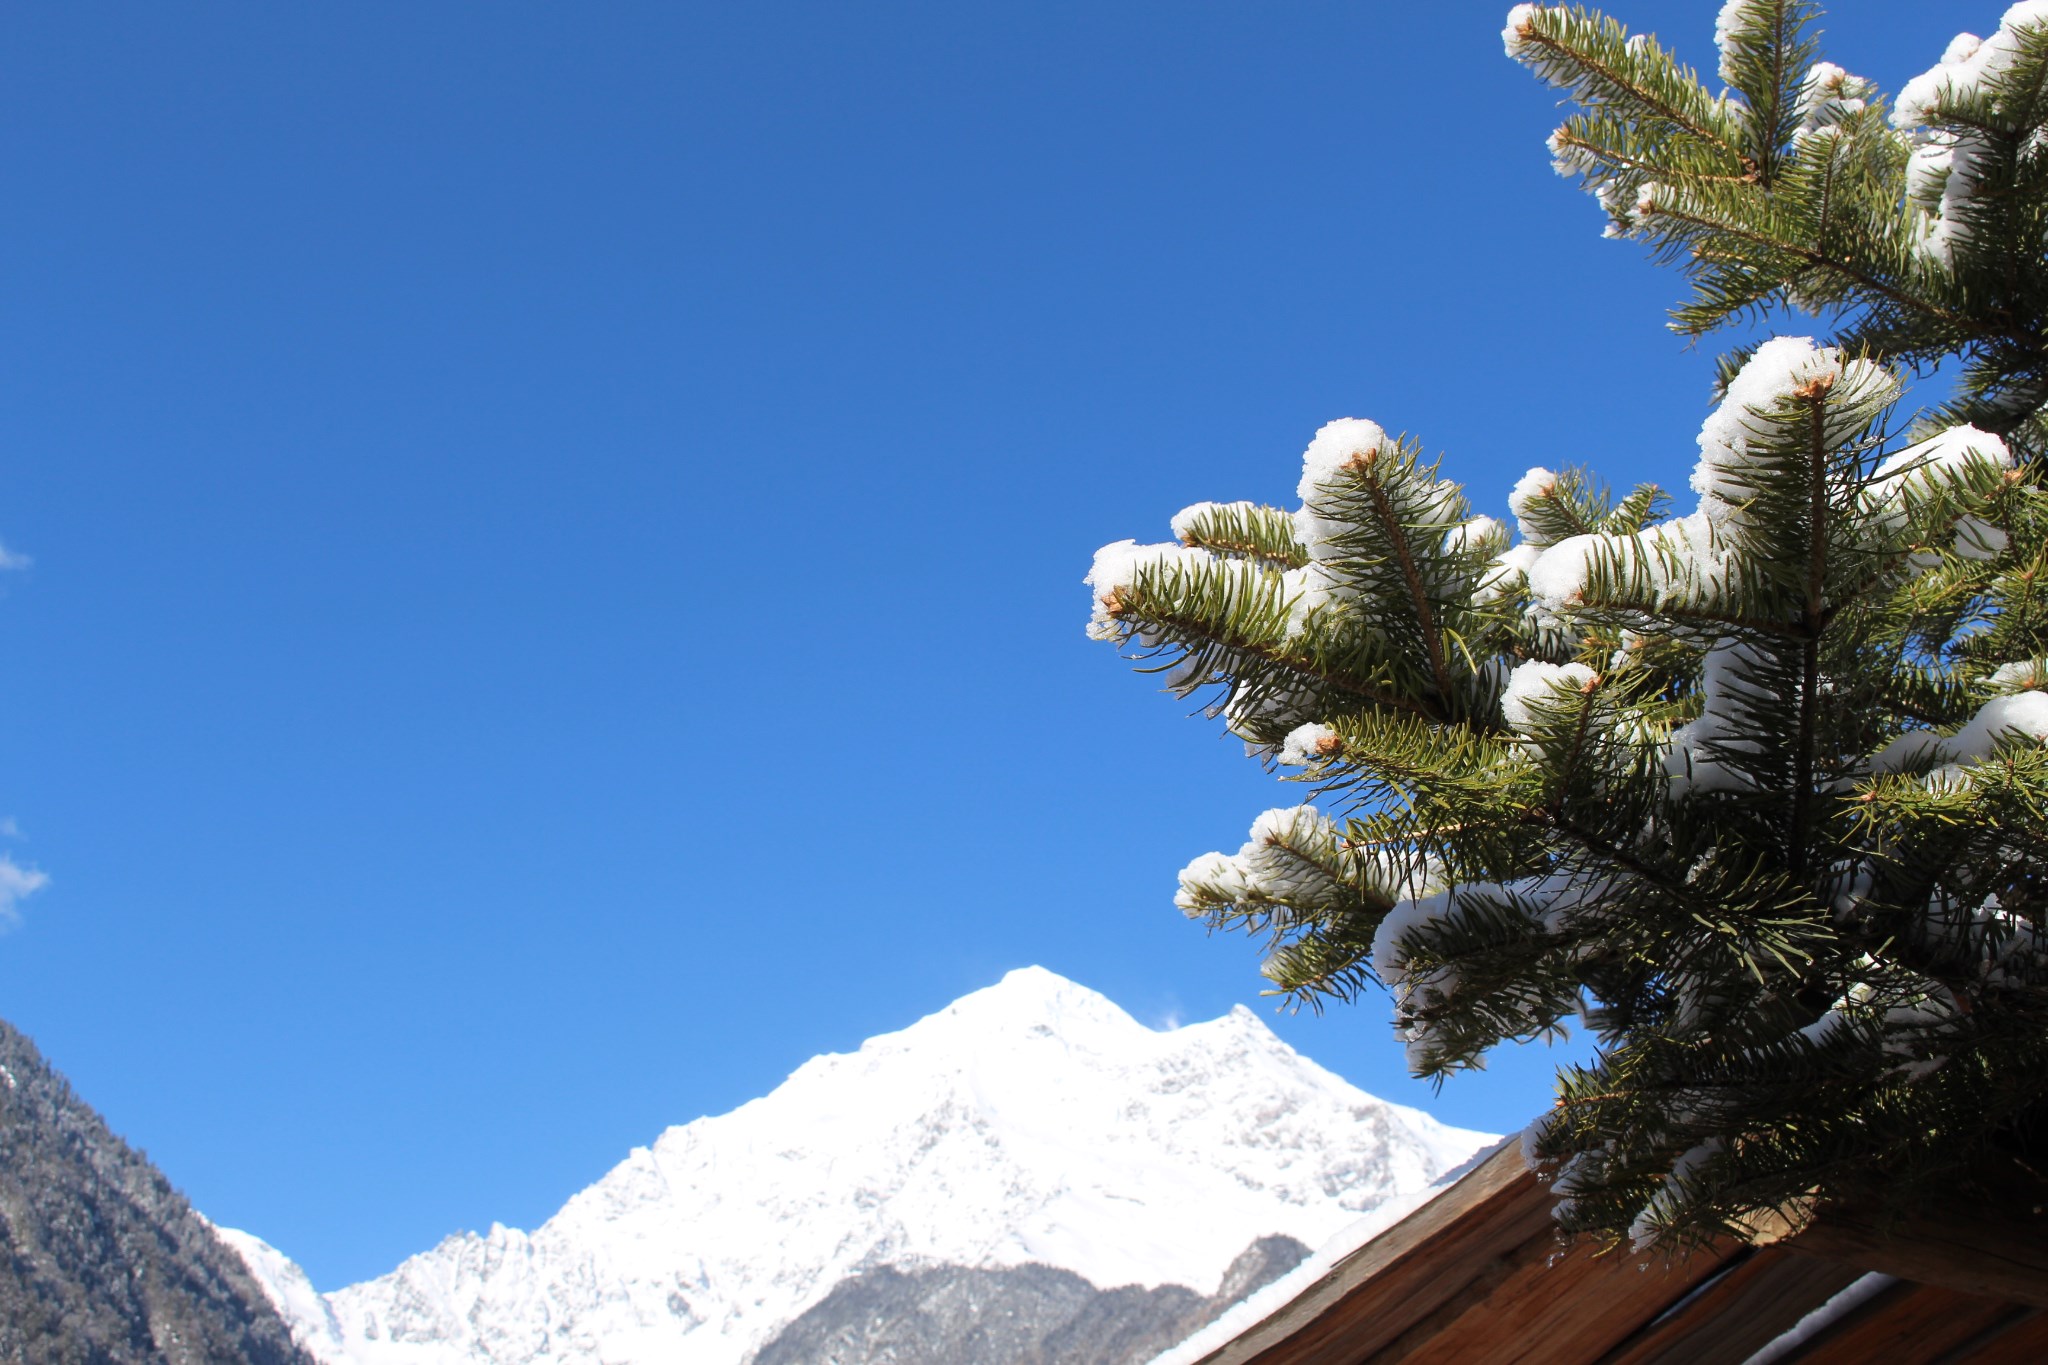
[
  {"x": 102, "y": 1262},
  {"x": 1025, "y": 1315}
]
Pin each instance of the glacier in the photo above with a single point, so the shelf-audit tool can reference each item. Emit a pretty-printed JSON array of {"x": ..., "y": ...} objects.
[{"x": 1033, "y": 1121}]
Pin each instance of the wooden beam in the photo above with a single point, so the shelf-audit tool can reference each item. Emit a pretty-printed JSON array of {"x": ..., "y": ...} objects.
[
  {"x": 1480, "y": 1265},
  {"x": 1978, "y": 1252},
  {"x": 1913, "y": 1323},
  {"x": 1757, "y": 1297}
]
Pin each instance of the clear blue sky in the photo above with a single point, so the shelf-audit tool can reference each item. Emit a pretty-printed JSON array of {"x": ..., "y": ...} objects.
[{"x": 557, "y": 529}]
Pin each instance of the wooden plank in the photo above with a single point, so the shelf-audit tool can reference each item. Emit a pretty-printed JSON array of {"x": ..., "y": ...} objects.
[
  {"x": 2021, "y": 1339},
  {"x": 1759, "y": 1296},
  {"x": 1997, "y": 1257},
  {"x": 1908, "y": 1324},
  {"x": 1478, "y": 1273},
  {"x": 1562, "y": 1307}
]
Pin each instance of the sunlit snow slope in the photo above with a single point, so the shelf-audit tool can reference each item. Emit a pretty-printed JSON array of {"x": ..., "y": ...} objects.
[{"x": 1031, "y": 1121}]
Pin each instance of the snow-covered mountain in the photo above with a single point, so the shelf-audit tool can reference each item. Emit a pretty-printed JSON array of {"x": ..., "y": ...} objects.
[{"x": 1030, "y": 1122}]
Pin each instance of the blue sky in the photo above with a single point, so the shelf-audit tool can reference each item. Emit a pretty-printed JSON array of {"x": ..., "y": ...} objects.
[{"x": 557, "y": 531}]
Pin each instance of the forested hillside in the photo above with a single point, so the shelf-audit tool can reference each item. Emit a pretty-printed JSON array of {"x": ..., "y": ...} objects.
[{"x": 102, "y": 1262}]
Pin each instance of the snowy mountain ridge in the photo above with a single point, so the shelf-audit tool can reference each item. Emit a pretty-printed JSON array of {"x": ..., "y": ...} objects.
[{"x": 1030, "y": 1122}]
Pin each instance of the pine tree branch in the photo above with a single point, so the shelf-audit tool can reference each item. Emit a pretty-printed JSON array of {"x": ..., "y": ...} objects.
[
  {"x": 1770, "y": 117},
  {"x": 1825, "y": 199},
  {"x": 1578, "y": 747},
  {"x": 1621, "y": 858},
  {"x": 1425, "y": 612},
  {"x": 1813, "y": 621},
  {"x": 1250, "y": 550},
  {"x": 1848, "y": 270},
  {"x": 1673, "y": 611},
  {"x": 1194, "y": 625},
  {"x": 1806, "y": 982},
  {"x": 1662, "y": 108},
  {"x": 1407, "y": 837},
  {"x": 1617, "y": 159}
]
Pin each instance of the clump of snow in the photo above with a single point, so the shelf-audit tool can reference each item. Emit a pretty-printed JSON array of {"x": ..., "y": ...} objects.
[
  {"x": 1251, "y": 711},
  {"x": 1559, "y": 575},
  {"x": 1967, "y": 66},
  {"x": 2019, "y": 676},
  {"x": 2018, "y": 715},
  {"x": 1532, "y": 487},
  {"x": 1548, "y": 901},
  {"x": 1515, "y": 36},
  {"x": 1311, "y": 743},
  {"x": 1645, "y": 205},
  {"x": 1535, "y": 686},
  {"x": 2002, "y": 942},
  {"x": 1831, "y": 95},
  {"x": 1940, "y": 461},
  {"x": 1210, "y": 878},
  {"x": 1185, "y": 520},
  {"x": 1546, "y": 904},
  {"x": 1323, "y": 523},
  {"x": 1415, "y": 990},
  {"x": 1609, "y": 197},
  {"x": 1642, "y": 1233},
  {"x": 1346, "y": 441},
  {"x": 1507, "y": 575},
  {"x": 1979, "y": 539},
  {"x": 1848, "y": 883},
  {"x": 1116, "y": 570},
  {"x": 1735, "y": 15},
  {"x": 1696, "y": 753},
  {"x": 1286, "y": 859},
  {"x": 1679, "y": 559},
  {"x": 1933, "y": 468},
  {"x": 1794, "y": 1340},
  {"x": 1473, "y": 534},
  {"x": 1783, "y": 368},
  {"x": 1945, "y": 170},
  {"x": 1389, "y": 956}
]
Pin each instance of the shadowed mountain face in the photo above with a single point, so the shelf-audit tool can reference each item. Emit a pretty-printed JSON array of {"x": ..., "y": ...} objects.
[
  {"x": 1024, "y": 1315},
  {"x": 101, "y": 1261}
]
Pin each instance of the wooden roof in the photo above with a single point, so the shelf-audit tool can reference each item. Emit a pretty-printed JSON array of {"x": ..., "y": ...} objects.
[{"x": 1479, "y": 1275}]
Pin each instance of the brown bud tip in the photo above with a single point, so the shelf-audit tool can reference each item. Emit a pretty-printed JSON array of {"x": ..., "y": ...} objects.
[
  {"x": 1329, "y": 746},
  {"x": 1816, "y": 387}
]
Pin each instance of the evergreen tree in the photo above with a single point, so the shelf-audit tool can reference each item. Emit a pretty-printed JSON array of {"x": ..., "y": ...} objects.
[{"x": 1759, "y": 792}]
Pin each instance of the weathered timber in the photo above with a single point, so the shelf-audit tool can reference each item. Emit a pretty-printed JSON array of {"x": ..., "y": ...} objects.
[
  {"x": 1755, "y": 1298},
  {"x": 1480, "y": 1276},
  {"x": 1990, "y": 1255}
]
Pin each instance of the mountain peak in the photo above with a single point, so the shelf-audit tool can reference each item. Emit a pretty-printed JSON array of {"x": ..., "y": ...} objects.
[
  {"x": 1032, "y": 1122},
  {"x": 1031, "y": 996}
]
